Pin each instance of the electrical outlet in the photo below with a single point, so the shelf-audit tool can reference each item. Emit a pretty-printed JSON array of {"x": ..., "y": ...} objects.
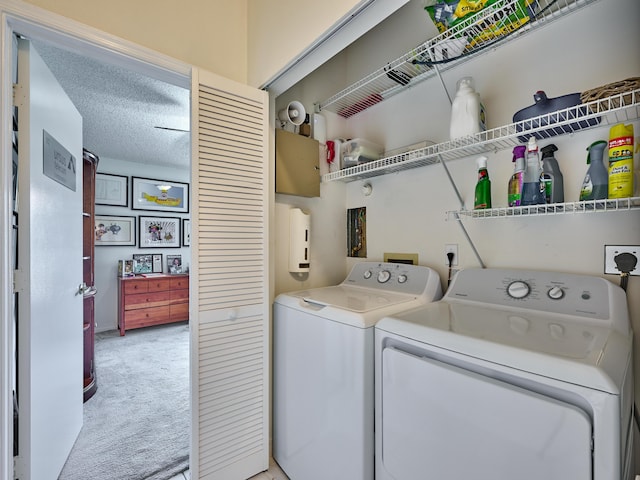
[
  {"x": 453, "y": 248},
  {"x": 610, "y": 252}
]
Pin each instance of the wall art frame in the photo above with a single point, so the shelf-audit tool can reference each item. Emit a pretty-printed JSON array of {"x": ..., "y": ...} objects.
[
  {"x": 159, "y": 232},
  {"x": 112, "y": 190},
  {"x": 159, "y": 195},
  {"x": 186, "y": 232},
  {"x": 114, "y": 230}
]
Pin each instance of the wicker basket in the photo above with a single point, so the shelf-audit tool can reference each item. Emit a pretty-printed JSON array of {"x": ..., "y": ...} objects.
[{"x": 611, "y": 90}]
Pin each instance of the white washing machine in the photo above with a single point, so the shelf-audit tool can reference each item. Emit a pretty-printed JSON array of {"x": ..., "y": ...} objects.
[
  {"x": 513, "y": 375},
  {"x": 323, "y": 356}
]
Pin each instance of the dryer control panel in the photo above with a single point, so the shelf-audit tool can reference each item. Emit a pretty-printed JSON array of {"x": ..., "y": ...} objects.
[
  {"x": 552, "y": 292},
  {"x": 394, "y": 277}
]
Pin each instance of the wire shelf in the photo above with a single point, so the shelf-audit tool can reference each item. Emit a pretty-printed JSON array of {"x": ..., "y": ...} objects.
[
  {"x": 601, "y": 112},
  {"x": 588, "y": 206},
  {"x": 452, "y": 47}
]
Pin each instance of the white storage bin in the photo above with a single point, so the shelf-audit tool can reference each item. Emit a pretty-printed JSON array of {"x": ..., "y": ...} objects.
[{"x": 358, "y": 150}]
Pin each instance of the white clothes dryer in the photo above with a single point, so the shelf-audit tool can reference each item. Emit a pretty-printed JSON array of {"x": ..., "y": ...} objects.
[
  {"x": 323, "y": 357},
  {"x": 513, "y": 375}
]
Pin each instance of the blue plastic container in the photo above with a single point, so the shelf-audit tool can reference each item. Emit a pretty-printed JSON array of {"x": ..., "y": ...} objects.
[{"x": 554, "y": 112}]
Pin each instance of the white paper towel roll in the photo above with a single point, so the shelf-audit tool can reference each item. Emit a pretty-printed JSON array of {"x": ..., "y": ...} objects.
[{"x": 318, "y": 128}]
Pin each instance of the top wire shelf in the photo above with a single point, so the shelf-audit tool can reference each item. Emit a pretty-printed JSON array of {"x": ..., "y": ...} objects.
[
  {"x": 505, "y": 18},
  {"x": 614, "y": 109}
]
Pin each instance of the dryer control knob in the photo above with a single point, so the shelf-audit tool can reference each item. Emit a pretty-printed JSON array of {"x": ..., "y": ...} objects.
[
  {"x": 384, "y": 276},
  {"x": 555, "y": 293},
  {"x": 402, "y": 278},
  {"x": 518, "y": 289},
  {"x": 367, "y": 274}
]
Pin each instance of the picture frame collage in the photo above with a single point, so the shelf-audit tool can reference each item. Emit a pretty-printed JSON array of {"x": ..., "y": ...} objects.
[{"x": 144, "y": 231}]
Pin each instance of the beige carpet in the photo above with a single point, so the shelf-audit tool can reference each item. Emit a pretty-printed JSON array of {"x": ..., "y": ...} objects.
[{"x": 137, "y": 424}]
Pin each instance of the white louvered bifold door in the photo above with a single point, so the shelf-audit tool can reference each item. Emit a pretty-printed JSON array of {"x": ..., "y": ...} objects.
[{"x": 230, "y": 307}]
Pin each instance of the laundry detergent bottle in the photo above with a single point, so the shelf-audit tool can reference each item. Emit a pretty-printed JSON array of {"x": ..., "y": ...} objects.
[
  {"x": 596, "y": 182},
  {"x": 531, "y": 190},
  {"x": 483, "y": 186},
  {"x": 516, "y": 182},
  {"x": 551, "y": 179},
  {"x": 467, "y": 112}
]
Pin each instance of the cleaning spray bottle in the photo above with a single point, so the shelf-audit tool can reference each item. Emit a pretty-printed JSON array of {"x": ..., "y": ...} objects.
[
  {"x": 483, "y": 187},
  {"x": 551, "y": 176},
  {"x": 516, "y": 182},
  {"x": 621, "y": 161},
  {"x": 531, "y": 191},
  {"x": 596, "y": 182}
]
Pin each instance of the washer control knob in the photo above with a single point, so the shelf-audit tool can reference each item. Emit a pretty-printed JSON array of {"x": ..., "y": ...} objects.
[
  {"x": 384, "y": 276},
  {"x": 402, "y": 278},
  {"x": 518, "y": 289},
  {"x": 555, "y": 293},
  {"x": 367, "y": 274}
]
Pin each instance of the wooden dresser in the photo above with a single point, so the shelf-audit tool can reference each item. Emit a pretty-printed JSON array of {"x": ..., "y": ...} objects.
[{"x": 147, "y": 301}]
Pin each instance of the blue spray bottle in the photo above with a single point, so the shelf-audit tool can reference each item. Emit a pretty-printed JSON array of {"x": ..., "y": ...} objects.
[{"x": 531, "y": 192}]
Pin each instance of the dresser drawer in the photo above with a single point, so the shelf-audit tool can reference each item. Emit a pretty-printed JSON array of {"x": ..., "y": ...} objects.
[
  {"x": 145, "y": 300},
  {"x": 179, "y": 311},
  {"x": 147, "y": 317},
  {"x": 179, "y": 296},
  {"x": 135, "y": 286},
  {"x": 159, "y": 284},
  {"x": 180, "y": 282}
]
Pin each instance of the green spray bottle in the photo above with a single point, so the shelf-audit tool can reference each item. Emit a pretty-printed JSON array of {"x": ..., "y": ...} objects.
[{"x": 483, "y": 187}]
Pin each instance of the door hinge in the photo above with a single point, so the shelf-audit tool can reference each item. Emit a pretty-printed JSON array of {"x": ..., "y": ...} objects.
[
  {"x": 17, "y": 467},
  {"x": 18, "y": 281},
  {"x": 18, "y": 95}
]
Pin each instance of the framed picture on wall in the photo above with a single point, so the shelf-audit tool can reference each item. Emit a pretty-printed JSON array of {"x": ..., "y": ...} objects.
[
  {"x": 161, "y": 195},
  {"x": 159, "y": 232},
  {"x": 114, "y": 230},
  {"x": 112, "y": 190},
  {"x": 186, "y": 232}
]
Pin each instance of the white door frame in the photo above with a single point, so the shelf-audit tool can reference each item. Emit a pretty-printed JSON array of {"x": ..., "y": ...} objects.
[{"x": 82, "y": 39}]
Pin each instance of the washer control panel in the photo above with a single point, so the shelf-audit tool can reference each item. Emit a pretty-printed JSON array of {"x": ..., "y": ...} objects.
[
  {"x": 397, "y": 277},
  {"x": 552, "y": 292}
]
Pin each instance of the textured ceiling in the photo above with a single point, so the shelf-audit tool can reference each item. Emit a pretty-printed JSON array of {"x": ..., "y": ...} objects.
[{"x": 120, "y": 109}]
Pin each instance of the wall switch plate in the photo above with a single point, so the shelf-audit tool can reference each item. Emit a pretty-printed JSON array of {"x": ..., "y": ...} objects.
[
  {"x": 453, "y": 248},
  {"x": 611, "y": 251}
]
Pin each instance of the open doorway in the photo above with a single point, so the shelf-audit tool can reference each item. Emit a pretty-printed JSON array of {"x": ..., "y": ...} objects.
[
  {"x": 231, "y": 293},
  {"x": 84, "y": 62}
]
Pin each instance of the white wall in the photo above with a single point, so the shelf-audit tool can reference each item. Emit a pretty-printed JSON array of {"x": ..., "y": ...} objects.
[
  {"x": 106, "y": 257},
  {"x": 407, "y": 210}
]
